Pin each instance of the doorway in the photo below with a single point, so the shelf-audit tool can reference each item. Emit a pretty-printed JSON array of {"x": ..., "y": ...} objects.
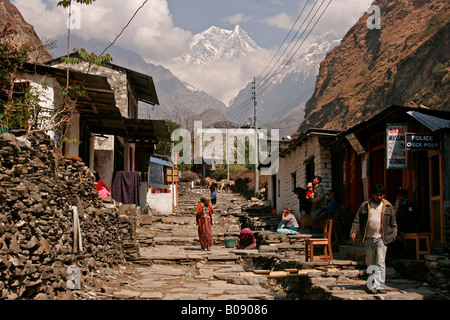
[{"x": 436, "y": 209}]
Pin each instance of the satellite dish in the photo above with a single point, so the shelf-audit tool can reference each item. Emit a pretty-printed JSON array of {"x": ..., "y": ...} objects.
[{"x": 249, "y": 122}]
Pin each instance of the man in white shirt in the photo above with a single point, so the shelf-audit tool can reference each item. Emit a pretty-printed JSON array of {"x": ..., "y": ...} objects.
[{"x": 375, "y": 219}]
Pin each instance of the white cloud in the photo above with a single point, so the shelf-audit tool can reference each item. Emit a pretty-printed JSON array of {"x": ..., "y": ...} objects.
[
  {"x": 223, "y": 79},
  {"x": 341, "y": 15},
  {"x": 282, "y": 21},
  {"x": 151, "y": 33},
  {"x": 238, "y": 18}
]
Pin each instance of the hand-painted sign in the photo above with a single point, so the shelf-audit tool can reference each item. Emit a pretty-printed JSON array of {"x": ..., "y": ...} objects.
[
  {"x": 421, "y": 141},
  {"x": 396, "y": 153}
]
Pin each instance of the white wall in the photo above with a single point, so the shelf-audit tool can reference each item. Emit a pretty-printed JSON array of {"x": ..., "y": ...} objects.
[{"x": 295, "y": 163}]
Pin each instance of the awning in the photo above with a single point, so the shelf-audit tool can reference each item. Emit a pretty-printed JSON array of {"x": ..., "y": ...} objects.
[
  {"x": 98, "y": 110},
  {"x": 142, "y": 84},
  {"x": 142, "y": 131},
  {"x": 431, "y": 122}
]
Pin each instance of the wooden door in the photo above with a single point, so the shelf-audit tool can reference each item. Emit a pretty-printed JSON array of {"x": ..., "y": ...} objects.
[{"x": 436, "y": 208}]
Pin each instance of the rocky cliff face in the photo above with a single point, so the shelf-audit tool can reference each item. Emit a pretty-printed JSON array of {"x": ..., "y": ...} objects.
[
  {"x": 404, "y": 62},
  {"x": 15, "y": 30}
]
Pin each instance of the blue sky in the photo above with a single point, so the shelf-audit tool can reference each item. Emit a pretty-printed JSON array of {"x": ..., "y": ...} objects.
[{"x": 199, "y": 15}]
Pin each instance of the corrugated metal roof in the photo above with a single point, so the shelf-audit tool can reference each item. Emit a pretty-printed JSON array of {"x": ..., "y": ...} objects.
[{"x": 431, "y": 122}]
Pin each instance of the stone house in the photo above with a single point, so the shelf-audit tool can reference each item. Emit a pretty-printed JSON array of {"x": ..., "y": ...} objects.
[
  {"x": 116, "y": 140},
  {"x": 306, "y": 156}
]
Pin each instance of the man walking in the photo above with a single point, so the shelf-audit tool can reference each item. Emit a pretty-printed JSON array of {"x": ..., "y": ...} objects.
[{"x": 376, "y": 221}]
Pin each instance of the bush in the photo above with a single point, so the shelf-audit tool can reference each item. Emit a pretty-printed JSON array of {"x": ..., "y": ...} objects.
[
  {"x": 187, "y": 176},
  {"x": 439, "y": 71},
  {"x": 222, "y": 171}
]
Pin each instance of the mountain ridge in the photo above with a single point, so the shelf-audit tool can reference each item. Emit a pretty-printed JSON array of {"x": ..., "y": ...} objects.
[
  {"x": 372, "y": 69},
  {"x": 17, "y": 31},
  {"x": 216, "y": 43}
]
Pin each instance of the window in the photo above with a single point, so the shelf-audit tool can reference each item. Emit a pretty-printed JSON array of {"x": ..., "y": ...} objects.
[
  {"x": 309, "y": 170},
  {"x": 294, "y": 180},
  {"x": 279, "y": 188}
]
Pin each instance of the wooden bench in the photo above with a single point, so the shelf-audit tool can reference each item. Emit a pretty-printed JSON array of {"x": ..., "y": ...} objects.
[{"x": 418, "y": 237}]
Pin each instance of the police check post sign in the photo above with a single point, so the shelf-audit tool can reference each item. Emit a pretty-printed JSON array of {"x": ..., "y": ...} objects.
[{"x": 422, "y": 141}]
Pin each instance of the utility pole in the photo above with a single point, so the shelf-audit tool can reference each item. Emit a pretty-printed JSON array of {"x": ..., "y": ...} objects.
[
  {"x": 226, "y": 152},
  {"x": 256, "y": 138}
]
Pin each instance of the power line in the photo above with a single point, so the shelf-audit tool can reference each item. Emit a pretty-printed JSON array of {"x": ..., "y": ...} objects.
[
  {"x": 290, "y": 43},
  {"x": 244, "y": 106},
  {"x": 126, "y": 26},
  {"x": 286, "y": 60},
  {"x": 284, "y": 41},
  {"x": 237, "y": 111}
]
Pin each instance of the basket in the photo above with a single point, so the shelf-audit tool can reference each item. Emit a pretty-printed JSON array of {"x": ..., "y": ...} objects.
[{"x": 229, "y": 243}]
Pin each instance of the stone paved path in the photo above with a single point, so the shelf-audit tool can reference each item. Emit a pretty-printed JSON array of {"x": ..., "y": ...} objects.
[{"x": 172, "y": 266}]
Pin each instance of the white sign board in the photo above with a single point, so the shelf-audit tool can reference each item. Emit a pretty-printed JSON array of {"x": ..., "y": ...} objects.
[{"x": 396, "y": 153}]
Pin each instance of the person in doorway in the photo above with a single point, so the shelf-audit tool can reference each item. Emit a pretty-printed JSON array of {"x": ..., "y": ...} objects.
[
  {"x": 204, "y": 222},
  {"x": 405, "y": 213},
  {"x": 406, "y": 218},
  {"x": 304, "y": 207},
  {"x": 375, "y": 220},
  {"x": 342, "y": 222},
  {"x": 319, "y": 203},
  {"x": 102, "y": 188}
]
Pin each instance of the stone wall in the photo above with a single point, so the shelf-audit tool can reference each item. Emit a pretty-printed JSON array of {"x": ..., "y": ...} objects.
[
  {"x": 438, "y": 275},
  {"x": 37, "y": 192}
]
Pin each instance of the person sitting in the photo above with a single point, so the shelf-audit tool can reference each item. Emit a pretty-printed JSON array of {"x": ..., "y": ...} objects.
[
  {"x": 288, "y": 224},
  {"x": 330, "y": 211},
  {"x": 247, "y": 239},
  {"x": 102, "y": 188}
]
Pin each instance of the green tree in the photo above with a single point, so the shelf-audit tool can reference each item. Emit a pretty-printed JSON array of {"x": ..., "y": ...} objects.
[
  {"x": 165, "y": 148},
  {"x": 11, "y": 58}
]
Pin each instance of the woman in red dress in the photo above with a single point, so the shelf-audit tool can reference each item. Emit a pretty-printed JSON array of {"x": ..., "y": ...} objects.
[{"x": 204, "y": 222}]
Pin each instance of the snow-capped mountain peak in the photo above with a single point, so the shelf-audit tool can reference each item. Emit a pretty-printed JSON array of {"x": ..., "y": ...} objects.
[{"x": 217, "y": 43}]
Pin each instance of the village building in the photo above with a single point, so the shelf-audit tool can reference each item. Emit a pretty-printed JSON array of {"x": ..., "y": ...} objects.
[
  {"x": 122, "y": 142},
  {"x": 402, "y": 148},
  {"x": 111, "y": 137},
  {"x": 305, "y": 157}
]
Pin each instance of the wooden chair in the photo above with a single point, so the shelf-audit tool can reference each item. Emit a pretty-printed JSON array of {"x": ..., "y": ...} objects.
[
  {"x": 325, "y": 241},
  {"x": 418, "y": 237}
]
